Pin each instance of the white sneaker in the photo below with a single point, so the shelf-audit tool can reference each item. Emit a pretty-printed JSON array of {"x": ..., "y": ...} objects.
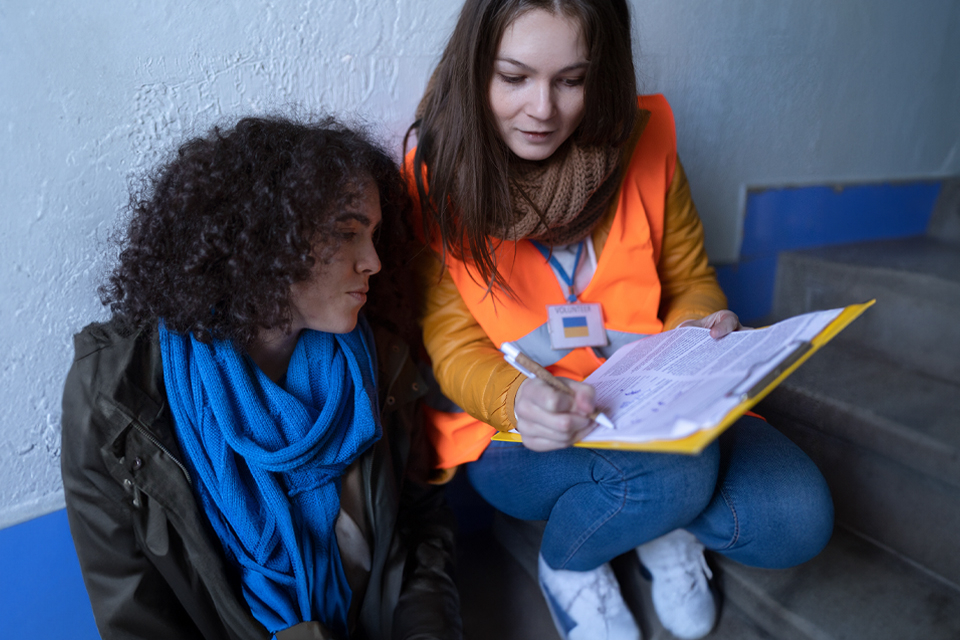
[
  {"x": 681, "y": 595},
  {"x": 587, "y": 605}
]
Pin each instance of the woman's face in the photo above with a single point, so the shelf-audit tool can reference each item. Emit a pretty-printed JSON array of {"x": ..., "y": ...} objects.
[
  {"x": 536, "y": 92},
  {"x": 330, "y": 299}
]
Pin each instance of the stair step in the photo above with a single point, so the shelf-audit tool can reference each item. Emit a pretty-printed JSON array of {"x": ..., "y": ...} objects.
[
  {"x": 916, "y": 282},
  {"x": 888, "y": 442},
  {"x": 853, "y": 589},
  {"x": 862, "y": 397}
]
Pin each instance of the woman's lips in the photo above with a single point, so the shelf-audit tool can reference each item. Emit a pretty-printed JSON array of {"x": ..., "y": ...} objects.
[
  {"x": 359, "y": 296},
  {"x": 536, "y": 136}
]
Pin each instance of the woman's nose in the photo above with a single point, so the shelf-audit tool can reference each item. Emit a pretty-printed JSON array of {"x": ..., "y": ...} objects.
[
  {"x": 369, "y": 261},
  {"x": 542, "y": 103}
]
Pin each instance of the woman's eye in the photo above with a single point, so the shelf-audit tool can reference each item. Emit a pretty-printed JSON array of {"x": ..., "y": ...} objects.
[
  {"x": 511, "y": 79},
  {"x": 572, "y": 82},
  {"x": 346, "y": 234}
]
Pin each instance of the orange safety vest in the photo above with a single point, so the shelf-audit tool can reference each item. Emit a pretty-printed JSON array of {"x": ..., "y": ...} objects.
[{"x": 626, "y": 284}]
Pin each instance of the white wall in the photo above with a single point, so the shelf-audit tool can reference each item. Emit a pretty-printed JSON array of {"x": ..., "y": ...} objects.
[{"x": 92, "y": 92}]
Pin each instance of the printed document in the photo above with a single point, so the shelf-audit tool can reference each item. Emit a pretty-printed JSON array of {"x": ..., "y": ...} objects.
[{"x": 670, "y": 385}]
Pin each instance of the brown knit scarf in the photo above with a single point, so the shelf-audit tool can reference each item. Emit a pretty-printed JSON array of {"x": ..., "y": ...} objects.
[{"x": 560, "y": 200}]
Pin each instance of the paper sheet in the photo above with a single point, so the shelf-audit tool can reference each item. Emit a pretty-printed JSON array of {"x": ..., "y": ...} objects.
[{"x": 672, "y": 384}]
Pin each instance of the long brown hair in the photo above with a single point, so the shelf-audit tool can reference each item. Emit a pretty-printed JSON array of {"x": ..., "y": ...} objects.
[{"x": 457, "y": 139}]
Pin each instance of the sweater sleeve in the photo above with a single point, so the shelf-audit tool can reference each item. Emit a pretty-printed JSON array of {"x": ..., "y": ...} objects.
[
  {"x": 470, "y": 369},
  {"x": 689, "y": 288}
]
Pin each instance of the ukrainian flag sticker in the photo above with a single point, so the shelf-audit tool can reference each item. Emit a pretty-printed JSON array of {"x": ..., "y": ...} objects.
[{"x": 576, "y": 325}]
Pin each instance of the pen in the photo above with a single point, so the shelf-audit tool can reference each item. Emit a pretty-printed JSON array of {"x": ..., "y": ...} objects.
[{"x": 522, "y": 363}]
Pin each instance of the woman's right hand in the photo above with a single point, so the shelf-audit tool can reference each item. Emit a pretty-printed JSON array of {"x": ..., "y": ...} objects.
[{"x": 548, "y": 419}]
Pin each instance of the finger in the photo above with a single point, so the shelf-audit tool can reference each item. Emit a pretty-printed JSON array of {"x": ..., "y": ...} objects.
[
  {"x": 722, "y": 323},
  {"x": 537, "y": 392},
  {"x": 560, "y": 429},
  {"x": 550, "y": 420},
  {"x": 535, "y": 398},
  {"x": 558, "y": 426},
  {"x": 547, "y": 440},
  {"x": 584, "y": 398}
]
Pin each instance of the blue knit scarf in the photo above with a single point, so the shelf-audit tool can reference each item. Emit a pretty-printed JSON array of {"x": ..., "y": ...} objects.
[{"x": 267, "y": 461}]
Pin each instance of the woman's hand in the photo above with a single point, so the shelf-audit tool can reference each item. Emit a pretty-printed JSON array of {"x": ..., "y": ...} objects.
[
  {"x": 720, "y": 323},
  {"x": 548, "y": 419}
]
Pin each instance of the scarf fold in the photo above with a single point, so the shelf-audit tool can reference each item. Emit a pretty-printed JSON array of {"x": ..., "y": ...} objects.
[
  {"x": 558, "y": 201},
  {"x": 267, "y": 461}
]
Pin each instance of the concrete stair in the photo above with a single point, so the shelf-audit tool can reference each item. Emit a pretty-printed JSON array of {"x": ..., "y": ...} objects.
[
  {"x": 888, "y": 442},
  {"x": 852, "y": 590},
  {"x": 916, "y": 281},
  {"x": 878, "y": 409}
]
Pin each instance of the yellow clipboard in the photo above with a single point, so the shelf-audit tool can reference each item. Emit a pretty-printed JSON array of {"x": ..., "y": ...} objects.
[{"x": 696, "y": 442}]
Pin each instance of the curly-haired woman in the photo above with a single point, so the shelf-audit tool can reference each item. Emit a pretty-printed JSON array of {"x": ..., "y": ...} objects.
[{"x": 241, "y": 451}]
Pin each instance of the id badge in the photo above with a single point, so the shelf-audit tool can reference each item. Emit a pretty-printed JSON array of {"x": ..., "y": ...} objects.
[{"x": 576, "y": 325}]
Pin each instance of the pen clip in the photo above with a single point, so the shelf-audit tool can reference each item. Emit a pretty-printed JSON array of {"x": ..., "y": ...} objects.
[{"x": 510, "y": 353}]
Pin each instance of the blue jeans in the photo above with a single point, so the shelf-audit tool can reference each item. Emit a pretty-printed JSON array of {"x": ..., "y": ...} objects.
[{"x": 752, "y": 495}]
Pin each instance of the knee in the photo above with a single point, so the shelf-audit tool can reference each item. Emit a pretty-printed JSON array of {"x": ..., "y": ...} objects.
[
  {"x": 699, "y": 475},
  {"x": 693, "y": 481},
  {"x": 816, "y": 512},
  {"x": 806, "y": 525}
]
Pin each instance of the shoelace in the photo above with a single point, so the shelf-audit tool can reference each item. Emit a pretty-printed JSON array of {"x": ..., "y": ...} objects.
[
  {"x": 605, "y": 591},
  {"x": 691, "y": 573},
  {"x": 596, "y": 584}
]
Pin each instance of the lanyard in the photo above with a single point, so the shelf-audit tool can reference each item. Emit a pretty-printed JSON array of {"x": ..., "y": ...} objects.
[{"x": 568, "y": 279}]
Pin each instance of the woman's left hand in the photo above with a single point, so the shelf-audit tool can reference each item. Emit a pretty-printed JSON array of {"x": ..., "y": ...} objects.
[{"x": 720, "y": 323}]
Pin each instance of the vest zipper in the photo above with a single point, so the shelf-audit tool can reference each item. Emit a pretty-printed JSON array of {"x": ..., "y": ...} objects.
[{"x": 149, "y": 436}]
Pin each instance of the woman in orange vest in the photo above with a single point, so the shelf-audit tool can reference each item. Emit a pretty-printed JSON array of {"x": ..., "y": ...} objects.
[{"x": 554, "y": 189}]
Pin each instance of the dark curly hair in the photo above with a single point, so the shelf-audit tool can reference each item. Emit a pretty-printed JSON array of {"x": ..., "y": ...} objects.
[{"x": 217, "y": 235}]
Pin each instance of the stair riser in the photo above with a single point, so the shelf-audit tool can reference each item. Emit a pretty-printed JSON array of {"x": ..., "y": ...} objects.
[
  {"x": 859, "y": 425},
  {"x": 762, "y": 608},
  {"x": 913, "y": 322},
  {"x": 903, "y": 509}
]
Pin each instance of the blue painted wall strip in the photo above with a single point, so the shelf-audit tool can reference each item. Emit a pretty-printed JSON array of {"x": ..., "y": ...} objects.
[
  {"x": 41, "y": 590},
  {"x": 804, "y": 217}
]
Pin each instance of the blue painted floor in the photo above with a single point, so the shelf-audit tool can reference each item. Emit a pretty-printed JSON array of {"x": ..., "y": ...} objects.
[{"x": 41, "y": 590}]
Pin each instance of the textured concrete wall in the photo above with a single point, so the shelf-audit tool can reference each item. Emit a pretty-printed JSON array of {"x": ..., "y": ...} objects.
[{"x": 92, "y": 93}]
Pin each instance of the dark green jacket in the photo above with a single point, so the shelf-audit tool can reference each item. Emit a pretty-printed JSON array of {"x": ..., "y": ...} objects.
[{"x": 152, "y": 566}]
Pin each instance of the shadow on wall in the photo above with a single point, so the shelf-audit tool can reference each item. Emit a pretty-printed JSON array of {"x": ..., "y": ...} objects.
[{"x": 788, "y": 218}]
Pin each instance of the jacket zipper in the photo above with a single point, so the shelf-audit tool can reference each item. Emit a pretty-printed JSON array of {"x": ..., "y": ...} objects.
[{"x": 149, "y": 436}]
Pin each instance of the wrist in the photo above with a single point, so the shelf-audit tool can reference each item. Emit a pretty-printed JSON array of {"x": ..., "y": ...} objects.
[{"x": 513, "y": 392}]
